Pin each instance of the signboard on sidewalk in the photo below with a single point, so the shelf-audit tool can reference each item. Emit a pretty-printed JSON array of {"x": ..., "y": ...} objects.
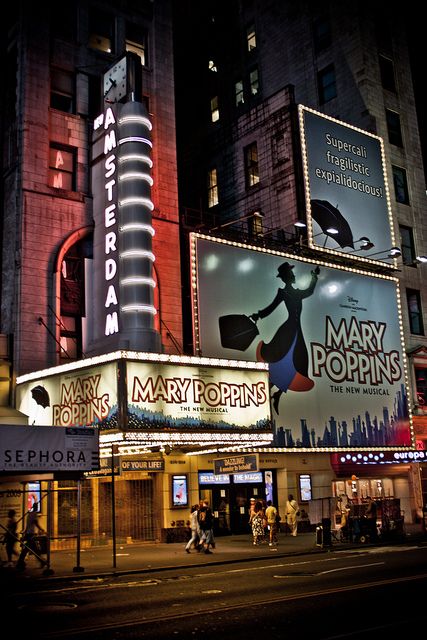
[{"x": 236, "y": 464}]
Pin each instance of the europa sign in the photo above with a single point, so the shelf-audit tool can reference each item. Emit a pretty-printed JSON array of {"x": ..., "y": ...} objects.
[{"x": 331, "y": 336}]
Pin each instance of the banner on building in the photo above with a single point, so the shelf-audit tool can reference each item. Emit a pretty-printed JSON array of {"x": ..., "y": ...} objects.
[
  {"x": 332, "y": 337},
  {"x": 75, "y": 397},
  {"x": 169, "y": 396},
  {"x": 46, "y": 448},
  {"x": 346, "y": 188}
]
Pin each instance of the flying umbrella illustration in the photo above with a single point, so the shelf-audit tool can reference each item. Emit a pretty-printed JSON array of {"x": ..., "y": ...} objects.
[
  {"x": 327, "y": 216},
  {"x": 41, "y": 396}
]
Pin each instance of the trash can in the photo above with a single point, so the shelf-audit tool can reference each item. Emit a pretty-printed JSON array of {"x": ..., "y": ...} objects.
[{"x": 327, "y": 536}]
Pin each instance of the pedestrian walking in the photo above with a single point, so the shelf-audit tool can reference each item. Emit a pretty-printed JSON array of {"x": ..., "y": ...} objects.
[
  {"x": 29, "y": 540},
  {"x": 205, "y": 520},
  {"x": 10, "y": 537},
  {"x": 257, "y": 523},
  {"x": 195, "y": 529},
  {"x": 292, "y": 513},
  {"x": 271, "y": 514}
]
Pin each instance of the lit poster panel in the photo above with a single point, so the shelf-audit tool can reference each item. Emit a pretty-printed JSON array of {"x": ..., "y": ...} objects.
[
  {"x": 346, "y": 187},
  {"x": 169, "y": 396},
  {"x": 82, "y": 397},
  {"x": 331, "y": 337}
]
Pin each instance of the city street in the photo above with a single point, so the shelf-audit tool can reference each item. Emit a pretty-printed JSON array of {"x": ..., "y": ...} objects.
[{"x": 349, "y": 593}]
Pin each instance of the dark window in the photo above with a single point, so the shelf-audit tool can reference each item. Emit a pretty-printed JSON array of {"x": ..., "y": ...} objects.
[
  {"x": 72, "y": 300},
  {"x": 255, "y": 225},
  {"x": 101, "y": 30},
  {"x": 407, "y": 245},
  {"x": 95, "y": 107},
  {"x": 64, "y": 20},
  {"x": 239, "y": 94},
  {"x": 393, "y": 128},
  {"x": 136, "y": 41},
  {"x": 251, "y": 37},
  {"x": 212, "y": 188},
  {"x": 400, "y": 185},
  {"x": 421, "y": 383},
  {"x": 327, "y": 84},
  {"x": 214, "y": 109},
  {"x": 251, "y": 165},
  {"x": 62, "y": 90},
  {"x": 387, "y": 74},
  {"x": 62, "y": 168},
  {"x": 414, "y": 311},
  {"x": 254, "y": 81},
  {"x": 322, "y": 33}
]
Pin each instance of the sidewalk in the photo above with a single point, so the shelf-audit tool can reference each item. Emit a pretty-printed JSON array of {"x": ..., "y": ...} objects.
[{"x": 98, "y": 562}]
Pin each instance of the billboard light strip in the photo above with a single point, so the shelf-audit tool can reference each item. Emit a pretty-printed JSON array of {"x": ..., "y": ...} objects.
[
  {"x": 138, "y": 226},
  {"x": 136, "y": 139},
  {"x": 138, "y": 157},
  {"x": 137, "y": 175},
  {"x": 138, "y": 253},
  {"x": 142, "y": 201},
  {"x": 138, "y": 280},
  {"x": 134, "y": 118}
]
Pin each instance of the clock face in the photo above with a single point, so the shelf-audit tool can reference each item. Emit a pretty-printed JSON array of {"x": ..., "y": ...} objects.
[{"x": 115, "y": 81}]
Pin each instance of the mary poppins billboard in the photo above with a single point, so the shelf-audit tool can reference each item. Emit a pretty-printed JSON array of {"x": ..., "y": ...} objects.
[
  {"x": 347, "y": 200},
  {"x": 331, "y": 337}
]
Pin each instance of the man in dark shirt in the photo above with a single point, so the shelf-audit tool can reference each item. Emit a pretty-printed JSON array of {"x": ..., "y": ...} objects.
[{"x": 205, "y": 519}]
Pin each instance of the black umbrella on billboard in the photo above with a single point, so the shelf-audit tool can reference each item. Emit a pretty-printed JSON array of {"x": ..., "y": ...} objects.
[
  {"x": 327, "y": 216},
  {"x": 237, "y": 331},
  {"x": 41, "y": 396}
]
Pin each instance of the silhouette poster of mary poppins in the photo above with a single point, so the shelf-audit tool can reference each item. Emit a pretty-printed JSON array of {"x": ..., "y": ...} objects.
[{"x": 286, "y": 352}]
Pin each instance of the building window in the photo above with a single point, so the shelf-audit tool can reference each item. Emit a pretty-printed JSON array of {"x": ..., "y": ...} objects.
[
  {"x": 136, "y": 41},
  {"x": 62, "y": 168},
  {"x": 62, "y": 90},
  {"x": 322, "y": 33},
  {"x": 212, "y": 188},
  {"x": 327, "y": 84},
  {"x": 214, "y": 109},
  {"x": 414, "y": 311},
  {"x": 421, "y": 383},
  {"x": 280, "y": 148},
  {"x": 254, "y": 81},
  {"x": 95, "y": 99},
  {"x": 407, "y": 245},
  {"x": 393, "y": 128},
  {"x": 251, "y": 37},
  {"x": 70, "y": 338},
  {"x": 101, "y": 30},
  {"x": 255, "y": 226},
  {"x": 400, "y": 185},
  {"x": 238, "y": 89},
  {"x": 64, "y": 22},
  {"x": 388, "y": 80},
  {"x": 251, "y": 165}
]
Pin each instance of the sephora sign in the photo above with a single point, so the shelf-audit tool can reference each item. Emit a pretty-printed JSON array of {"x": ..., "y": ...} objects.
[{"x": 123, "y": 258}]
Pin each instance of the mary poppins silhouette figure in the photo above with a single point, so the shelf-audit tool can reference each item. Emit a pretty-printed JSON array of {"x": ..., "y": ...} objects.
[{"x": 286, "y": 352}]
